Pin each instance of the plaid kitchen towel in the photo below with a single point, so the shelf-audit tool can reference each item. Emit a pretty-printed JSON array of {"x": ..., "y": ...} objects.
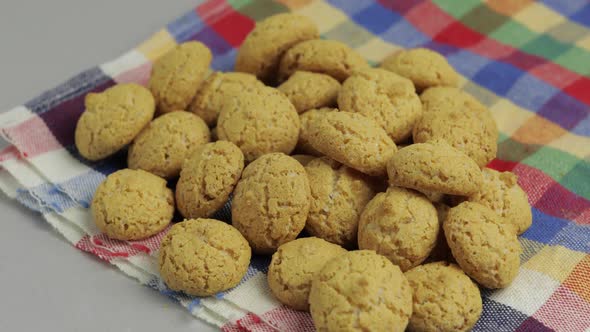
[{"x": 529, "y": 62}]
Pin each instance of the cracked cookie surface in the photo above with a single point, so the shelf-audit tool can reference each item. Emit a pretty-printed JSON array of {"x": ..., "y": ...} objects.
[
  {"x": 385, "y": 97},
  {"x": 207, "y": 179},
  {"x": 164, "y": 144},
  {"x": 132, "y": 205},
  {"x": 444, "y": 298},
  {"x": 112, "y": 119},
  {"x": 178, "y": 74},
  {"x": 293, "y": 267},
  {"x": 203, "y": 257},
  {"x": 446, "y": 97},
  {"x": 483, "y": 246},
  {"x": 306, "y": 118},
  {"x": 271, "y": 202},
  {"x": 338, "y": 196},
  {"x": 308, "y": 90},
  {"x": 401, "y": 225},
  {"x": 360, "y": 291}
]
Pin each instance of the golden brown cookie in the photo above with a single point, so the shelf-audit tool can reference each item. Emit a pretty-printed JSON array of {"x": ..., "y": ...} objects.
[
  {"x": 484, "y": 247},
  {"x": 360, "y": 291},
  {"x": 434, "y": 166},
  {"x": 401, "y": 225},
  {"x": 207, "y": 179},
  {"x": 444, "y": 298},
  {"x": 329, "y": 57},
  {"x": 166, "y": 142},
  {"x": 203, "y": 257},
  {"x": 422, "y": 66},
  {"x": 306, "y": 118},
  {"x": 446, "y": 97},
  {"x": 501, "y": 193},
  {"x": 293, "y": 267},
  {"x": 178, "y": 74},
  {"x": 259, "y": 121},
  {"x": 303, "y": 159},
  {"x": 308, "y": 90},
  {"x": 217, "y": 89},
  {"x": 338, "y": 196},
  {"x": 264, "y": 46},
  {"x": 271, "y": 202},
  {"x": 385, "y": 97},
  {"x": 474, "y": 133},
  {"x": 112, "y": 119},
  {"x": 132, "y": 205},
  {"x": 353, "y": 140}
]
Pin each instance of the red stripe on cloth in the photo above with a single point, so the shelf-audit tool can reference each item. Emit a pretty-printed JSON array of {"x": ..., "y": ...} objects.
[
  {"x": 139, "y": 75},
  {"x": 289, "y": 320},
  {"x": 9, "y": 152},
  {"x": 228, "y": 23},
  {"x": 250, "y": 323},
  {"x": 565, "y": 311},
  {"x": 459, "y": 35},
  {"x": 32, "y": 137}
]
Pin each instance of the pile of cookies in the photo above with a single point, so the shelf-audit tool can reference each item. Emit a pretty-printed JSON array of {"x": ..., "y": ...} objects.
[{"x": 385, "y": 216}]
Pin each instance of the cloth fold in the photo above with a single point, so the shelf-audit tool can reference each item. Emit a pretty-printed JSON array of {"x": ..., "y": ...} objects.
[{"x": 526, "y": 61}]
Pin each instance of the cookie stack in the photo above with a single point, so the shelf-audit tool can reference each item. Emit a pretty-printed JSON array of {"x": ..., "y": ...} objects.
[{"x": 367, "y": 186}]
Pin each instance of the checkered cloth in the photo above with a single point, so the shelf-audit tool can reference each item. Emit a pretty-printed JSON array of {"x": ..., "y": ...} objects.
[{"x": 528, "y": 62}]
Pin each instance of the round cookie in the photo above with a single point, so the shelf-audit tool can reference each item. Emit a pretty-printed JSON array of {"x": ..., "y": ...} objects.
[
  {"x": 207, "y": 179},
  {"x": 474, "y": 133},
  {"x": 216, "y": 90},
  {"x": 424, "y": 67},
  {"x": 328, "y": 57},
  {"x": 338, "y": 196},
  {"x": 293, "y": 267},
  {"x": 353, "y": 140},
  {"x": 385, "y": 97},
  {"x": 132, "y": 205},
  {"x": 484, "y": 247},
  {"x": 446, "y": 97},
  {"x": 166, "y": 142},
  {"x": 360, "y": 291},
  {"x": 434, "y": 166},
  {"x": 264, "y": 46},
  {"x": 401, "y": 225},
  {"x": 271, "y": 202},
  {"x": 306, "y": 118},
  {"x": 112, "y": 119},
  {"x": 501, "y": 193},
  {"x": 177, "y": 75},
  {"x": 303, "y": 159},
  {"x": 444, "y": 298},
  {"x": 203, "y": 257},
  {"x": 259, "y": 121},
  {"x": 308, "y": 90}
]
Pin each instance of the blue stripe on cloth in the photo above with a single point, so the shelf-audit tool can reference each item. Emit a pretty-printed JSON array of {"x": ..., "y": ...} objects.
[
  {"x": 25, "y": 198},
  {"x": 565, "y": 8},
  {"x": 498, "y": 317},
  {"x": 184, "y": 27},
  {"x": 573, "y": 236},
  {"x": 544, "y": 227},
  {"x": 582, "y": 16},
  {"x": 351, "y": 7},
  {"x": 376, "y": 19},
  {"x": 50, "y": 197}
]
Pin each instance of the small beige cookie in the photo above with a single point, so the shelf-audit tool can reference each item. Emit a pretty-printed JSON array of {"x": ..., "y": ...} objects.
[
  {"x": 112, "y": 119},
  {"x": 329, "y": 57},
  {"x": 474, "y": 133},
  {"x": 338, "y": 196},
  {"x": 484, "y": 247},
  {"x": 207, "y": 179},
  {"x": 434, "y": 166},
  {"x": 360, "y": 291},
  {"x": 259, "y": 121},
  {"x": 166, "y": 142},
  {"x": 306, "y": 118},
  {"x": 264, "y": 46},
  {"x": 203, "y": 257},
  {"x": 501, "y": 193},
  {"x": 401, "y": 225},
  {"x": 178, "y": 74},
  {"x": 445, "y": 299},
  {"x": 353, "y": 140},
  {"x": 446, "y": 97},
  {"x": 303, "y": 159},
  {"x": 385, "y": 97},
  {"x": 132, "y": 205},
  {"x": 216, "y": 90},
  {"x": 308, "y": 90},
  {"x": 422, "y": 66},
  {"x": 293, "y": 267},
  {"x": 271, "y": 202}
]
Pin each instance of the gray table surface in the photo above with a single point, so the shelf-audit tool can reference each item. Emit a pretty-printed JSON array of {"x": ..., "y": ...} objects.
[{"x": 46, "y": 284}]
